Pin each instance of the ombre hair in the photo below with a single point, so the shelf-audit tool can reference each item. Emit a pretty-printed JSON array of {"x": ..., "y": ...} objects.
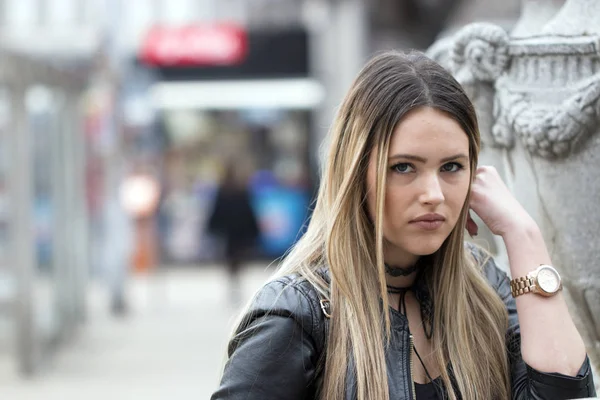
[{"x": 469, "y": 316}]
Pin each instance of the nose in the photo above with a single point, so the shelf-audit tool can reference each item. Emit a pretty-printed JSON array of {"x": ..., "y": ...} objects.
[{"x": 432, "y": 191}]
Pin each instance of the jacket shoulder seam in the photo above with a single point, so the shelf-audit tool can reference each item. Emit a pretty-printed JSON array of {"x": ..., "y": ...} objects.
[{"x": 294, "y": 284}]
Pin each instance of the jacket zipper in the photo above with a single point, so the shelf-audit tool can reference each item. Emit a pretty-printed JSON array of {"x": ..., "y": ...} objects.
[{"x": 410, "y": 367}]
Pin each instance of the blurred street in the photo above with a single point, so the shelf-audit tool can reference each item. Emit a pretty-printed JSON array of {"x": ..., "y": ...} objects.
[{"x": 171, "y": 344}]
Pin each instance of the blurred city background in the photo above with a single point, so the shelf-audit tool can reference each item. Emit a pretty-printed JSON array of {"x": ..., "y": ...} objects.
[{"x": 119, "y": 121}]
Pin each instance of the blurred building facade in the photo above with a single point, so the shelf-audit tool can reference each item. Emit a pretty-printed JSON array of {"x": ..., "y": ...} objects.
[{"x": 57, "y": 99}]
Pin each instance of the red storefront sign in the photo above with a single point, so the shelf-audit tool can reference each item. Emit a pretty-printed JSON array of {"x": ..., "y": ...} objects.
[{"x": 222, "y": 44}]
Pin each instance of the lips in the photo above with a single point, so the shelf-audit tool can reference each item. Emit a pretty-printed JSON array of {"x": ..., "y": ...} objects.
[
  {"x": 429, "y": 218},
  {"x": 428, "y": 222}
]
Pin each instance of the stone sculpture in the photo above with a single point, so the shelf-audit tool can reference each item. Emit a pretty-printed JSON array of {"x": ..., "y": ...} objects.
[{"x": 537, "y": 91}]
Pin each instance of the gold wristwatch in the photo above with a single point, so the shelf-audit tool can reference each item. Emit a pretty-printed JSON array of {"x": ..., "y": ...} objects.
[{"x": 544, "y": 280}]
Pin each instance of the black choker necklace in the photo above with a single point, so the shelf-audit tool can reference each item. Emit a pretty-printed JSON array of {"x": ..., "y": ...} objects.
[{"x": 400, "y": 271}]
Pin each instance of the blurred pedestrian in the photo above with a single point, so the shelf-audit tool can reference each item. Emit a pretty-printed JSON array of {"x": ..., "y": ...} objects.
[
  {"x": 118, "y": 242},
  {"x": 234, "y": 221}
]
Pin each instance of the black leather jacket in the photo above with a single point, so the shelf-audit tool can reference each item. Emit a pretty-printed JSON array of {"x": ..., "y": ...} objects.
[{"x": 277, "y": 354}]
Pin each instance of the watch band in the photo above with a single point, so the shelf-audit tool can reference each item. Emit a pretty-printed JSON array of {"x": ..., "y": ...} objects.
[{"x": 522, "y": 285}]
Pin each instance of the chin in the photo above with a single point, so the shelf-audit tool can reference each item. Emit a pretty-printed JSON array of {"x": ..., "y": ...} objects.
[
  {"x": 426, "y": 250},
  {"x": 423, "y": 247}
]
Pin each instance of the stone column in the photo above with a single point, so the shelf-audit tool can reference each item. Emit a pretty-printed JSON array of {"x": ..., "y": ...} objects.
[
  {"x": 22, "y": 254},
  {"x": 80, "y": 229}
]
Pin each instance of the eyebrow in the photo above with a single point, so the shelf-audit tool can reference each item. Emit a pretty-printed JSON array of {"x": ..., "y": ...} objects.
[{"x": 424, "y": 160}]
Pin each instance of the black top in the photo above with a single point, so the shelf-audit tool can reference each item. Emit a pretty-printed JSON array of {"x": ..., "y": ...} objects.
[{"x": 428, "y": 391}]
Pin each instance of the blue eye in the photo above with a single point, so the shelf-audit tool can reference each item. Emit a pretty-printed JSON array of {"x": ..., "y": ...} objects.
[
  {"x": 452, "y": 167},
  {"x": 403, "y": 168}
]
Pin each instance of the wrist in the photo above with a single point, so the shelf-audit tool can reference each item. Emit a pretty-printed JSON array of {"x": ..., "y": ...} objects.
[
  {"x": 526, "y": 249},
  {"x": 521, "y": 229}
]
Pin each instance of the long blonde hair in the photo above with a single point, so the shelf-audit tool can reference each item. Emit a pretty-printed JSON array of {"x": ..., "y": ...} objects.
[{"x": 470, "y": 319}]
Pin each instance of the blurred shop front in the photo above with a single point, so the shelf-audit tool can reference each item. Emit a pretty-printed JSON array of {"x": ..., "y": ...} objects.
[{"x": 225, "y": 94}]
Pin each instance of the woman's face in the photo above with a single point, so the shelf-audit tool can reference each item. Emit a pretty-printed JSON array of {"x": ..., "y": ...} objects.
[{"x": 427, "y": 184}]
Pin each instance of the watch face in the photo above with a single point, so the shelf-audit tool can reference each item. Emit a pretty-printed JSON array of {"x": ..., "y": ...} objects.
[{"x": 548, "y": 280}]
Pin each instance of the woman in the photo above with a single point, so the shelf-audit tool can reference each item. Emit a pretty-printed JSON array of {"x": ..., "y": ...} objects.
[{"x": 381, "y": 298}]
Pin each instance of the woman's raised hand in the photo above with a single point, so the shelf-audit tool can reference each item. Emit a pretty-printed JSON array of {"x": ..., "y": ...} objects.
[{"x": 495, "y": 205}]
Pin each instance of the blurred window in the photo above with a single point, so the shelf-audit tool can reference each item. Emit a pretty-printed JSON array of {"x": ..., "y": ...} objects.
[
  {"x": 138, "y": 16},
  {"x": 95, "y": 12},
  {"x": 21, "y": 13},
  {"x": 180, "y": 11},
  {"x": 62, "y": 12}
]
